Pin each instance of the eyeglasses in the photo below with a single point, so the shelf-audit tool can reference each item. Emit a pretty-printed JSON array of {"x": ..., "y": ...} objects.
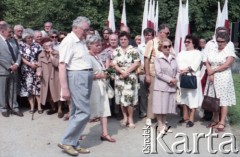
[
  {"x": 167, "y": 46},
  {"x": 167, "y": 33},
  {"x": 187, "y": 42},
  {"x": 85, "y": 30},
  {"x": 54, "y": 37},
  {"x": 219, "y": 41}
]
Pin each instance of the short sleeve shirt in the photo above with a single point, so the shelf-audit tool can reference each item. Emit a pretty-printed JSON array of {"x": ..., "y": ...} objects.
[
  {"x": 74, "y": 53},
  {"x": 151, "y": 52}
]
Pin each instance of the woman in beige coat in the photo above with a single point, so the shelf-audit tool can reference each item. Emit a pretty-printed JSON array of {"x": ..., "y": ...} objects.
[{"x": 48, "y": 71}]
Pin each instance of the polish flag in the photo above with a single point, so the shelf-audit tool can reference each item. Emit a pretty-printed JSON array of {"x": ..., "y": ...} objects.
[
  {"x": 144, "y": 21},
  {"x": 182, "y": 27},
  {"x": 124, "y": 19},
  {"x": 150, "y": 23},
  {"x": 111, "y": 20},
  {"x": 219, "y": 16},
  {"x": 224, "y": 19}
]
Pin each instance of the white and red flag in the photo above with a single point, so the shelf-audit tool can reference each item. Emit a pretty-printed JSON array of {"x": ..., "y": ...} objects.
[
  {"x": 111, "y": 19},
  {"x": 144, "y": 21},
  {"x": 224, "y": 18},
  {"x": 124, "y": 19},
  {"x": 150, "y": 19},
  {"x": 182, "y": 28},
  {"x": 219, "y": 17}
]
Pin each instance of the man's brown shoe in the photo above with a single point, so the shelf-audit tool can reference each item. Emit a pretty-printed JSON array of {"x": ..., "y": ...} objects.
[
  {"x": 68, "y": 149},
  {"x": 17, "y": 113},
  {"x": 82, "y": 150}
]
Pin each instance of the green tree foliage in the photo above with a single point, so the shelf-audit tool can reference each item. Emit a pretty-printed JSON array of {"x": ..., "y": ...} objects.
[{"x": 33, "y": 13}]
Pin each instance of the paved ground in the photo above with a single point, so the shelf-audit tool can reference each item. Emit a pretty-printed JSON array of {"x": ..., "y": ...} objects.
[{"x": 23, "y": 137}]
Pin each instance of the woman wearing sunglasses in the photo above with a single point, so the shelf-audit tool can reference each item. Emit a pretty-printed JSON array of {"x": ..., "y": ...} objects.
[
  {"x": 190, "y": 61},
  {"x": 218, "y": 65},
  {"x": 165, "y": 84}
]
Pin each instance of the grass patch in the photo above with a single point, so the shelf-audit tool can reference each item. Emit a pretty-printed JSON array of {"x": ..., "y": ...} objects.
[{"x": 234, "y": 111}]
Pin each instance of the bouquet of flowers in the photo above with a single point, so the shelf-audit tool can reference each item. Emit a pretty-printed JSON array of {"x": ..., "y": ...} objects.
[{"x": 110, "y": 72}]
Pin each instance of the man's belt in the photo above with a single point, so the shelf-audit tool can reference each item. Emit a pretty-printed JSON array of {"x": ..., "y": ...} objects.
[{"x": 87, "y": 69}]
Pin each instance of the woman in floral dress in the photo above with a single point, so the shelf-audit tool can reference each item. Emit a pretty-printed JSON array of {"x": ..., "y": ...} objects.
[
  {"x": 30, "y": 84},
  {"x": 125, "y": 61},
  {"x": 219, "y": 62}
]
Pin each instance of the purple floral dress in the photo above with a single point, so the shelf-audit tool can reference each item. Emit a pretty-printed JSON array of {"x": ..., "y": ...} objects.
[{"x": 29, "y": 83}]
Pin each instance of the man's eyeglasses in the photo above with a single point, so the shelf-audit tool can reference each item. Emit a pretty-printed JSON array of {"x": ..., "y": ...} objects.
[
  {"x": 167, "y": 33},
  {"x": 167, "y": 46},
  {"x": 85, "y": 30}
]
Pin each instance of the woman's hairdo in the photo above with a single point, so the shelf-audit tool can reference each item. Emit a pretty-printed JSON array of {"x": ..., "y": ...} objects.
[
  {"x": 92, "y": 39},
  {"x": 123, "y": 33},
  {"x": 223, "y": 35},
  {"x": 27, "y": 32}
]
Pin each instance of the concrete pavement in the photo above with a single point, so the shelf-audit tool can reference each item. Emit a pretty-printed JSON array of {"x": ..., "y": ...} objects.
[{"x": 23, "y": 137}]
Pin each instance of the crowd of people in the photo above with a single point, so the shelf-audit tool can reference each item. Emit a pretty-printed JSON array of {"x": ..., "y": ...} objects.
[{"x": 52, "y": 66}]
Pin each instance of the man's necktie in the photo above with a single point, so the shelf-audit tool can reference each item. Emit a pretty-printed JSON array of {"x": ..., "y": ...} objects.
[{"x": 11, "y": 50}]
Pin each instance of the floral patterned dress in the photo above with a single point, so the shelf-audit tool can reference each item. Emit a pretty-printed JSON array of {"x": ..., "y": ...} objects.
[
  {"x": 223, "y": 80},
  {"x": 126, "y": 89},
  {"x": 29, "y": 83}
]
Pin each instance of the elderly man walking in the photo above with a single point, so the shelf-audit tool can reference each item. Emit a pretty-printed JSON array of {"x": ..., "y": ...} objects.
[{"x": 75, "y": 73}]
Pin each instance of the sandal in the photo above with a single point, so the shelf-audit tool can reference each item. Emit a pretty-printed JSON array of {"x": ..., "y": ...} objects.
[
  {"x": 183, "y": 121},
  {"x": 107, "y": 138},
  {"x": 212, "y": 125},
  {"x": 123, "y": 123},
  {"x": 40, "y": 111},
  {"x": 220, "y": 129},
  {"x": 31, "y": 111},
  {"x": 131, "y": 126},
  {"x": 189, "y": 124},
  {"x": 66, "y": 117},
  {"x": 164, "y": 130}
]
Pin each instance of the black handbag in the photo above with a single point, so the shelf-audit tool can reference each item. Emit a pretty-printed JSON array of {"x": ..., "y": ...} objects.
[
  {"x": 188, "y": 81},
  {"x": 211, "y": 104}
]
